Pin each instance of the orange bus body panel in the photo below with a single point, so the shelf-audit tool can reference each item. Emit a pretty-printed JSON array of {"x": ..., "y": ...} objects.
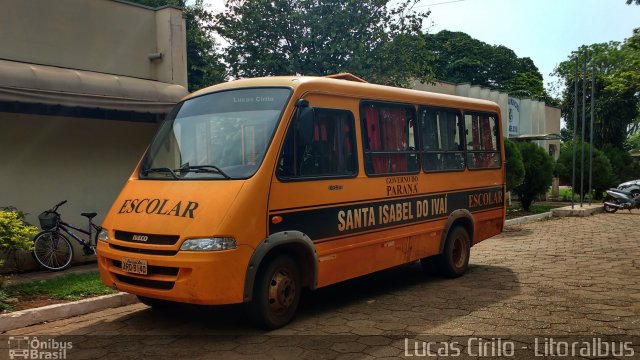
[{"x": 371, "y": 238}]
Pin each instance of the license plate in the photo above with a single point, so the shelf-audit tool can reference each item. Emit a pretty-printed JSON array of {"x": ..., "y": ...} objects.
[{"x": 135, "y": 266}]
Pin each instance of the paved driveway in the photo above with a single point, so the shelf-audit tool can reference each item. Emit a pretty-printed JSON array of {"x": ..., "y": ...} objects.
[{"x": 552, "y": 279}]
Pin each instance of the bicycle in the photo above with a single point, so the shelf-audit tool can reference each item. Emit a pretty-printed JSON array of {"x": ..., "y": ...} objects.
[{"x": 52, "y": 249}]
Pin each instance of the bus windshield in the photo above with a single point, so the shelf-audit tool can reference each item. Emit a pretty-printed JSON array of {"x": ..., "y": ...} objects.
[{"x": 222, "y": 135}]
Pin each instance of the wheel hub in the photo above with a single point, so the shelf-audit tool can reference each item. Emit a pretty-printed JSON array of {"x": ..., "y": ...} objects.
[
  {"x": 459, "y": 252},
  {"x": 282, "y": 291}
]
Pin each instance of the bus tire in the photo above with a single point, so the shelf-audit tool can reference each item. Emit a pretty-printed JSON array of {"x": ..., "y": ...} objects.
[
  {"x": 276, "y": 293},
  {"x": 454, "y": 260}
]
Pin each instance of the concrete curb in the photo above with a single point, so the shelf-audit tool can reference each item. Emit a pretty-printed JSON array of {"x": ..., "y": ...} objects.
[
  {"x": 528, "y": 219},
  {"x": 19, "y": 319},
  {"x": 586, "y": 210}
]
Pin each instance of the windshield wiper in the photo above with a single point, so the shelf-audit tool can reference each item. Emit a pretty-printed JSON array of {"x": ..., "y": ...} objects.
[
  {"x": 146, "y": 172},
  {"x": 204, "y": 169}
]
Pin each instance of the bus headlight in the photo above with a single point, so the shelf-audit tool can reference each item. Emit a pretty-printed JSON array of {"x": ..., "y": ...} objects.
[
  {"x": 209, "y": 244},
  {"x": 103, "y": 235}
]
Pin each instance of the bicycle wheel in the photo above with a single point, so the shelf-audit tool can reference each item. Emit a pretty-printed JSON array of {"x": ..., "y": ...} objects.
[{"x": 52, "y": 250}]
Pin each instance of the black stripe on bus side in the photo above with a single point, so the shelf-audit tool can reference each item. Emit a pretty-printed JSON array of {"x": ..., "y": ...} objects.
[
  {"x": 275, "y": 211},
  {"x": 396, "y": 227},
  {"x": 337, "y": 221}
]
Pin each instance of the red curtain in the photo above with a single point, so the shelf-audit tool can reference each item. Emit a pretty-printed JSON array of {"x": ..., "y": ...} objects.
[{"x": 386, "y": 128}]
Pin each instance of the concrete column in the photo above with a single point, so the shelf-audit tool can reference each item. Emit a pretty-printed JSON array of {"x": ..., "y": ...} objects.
[
  {"x": 474, "y": 91},
  {"x": 503, "y": 102},
  {"x": 463, "y": 89},
  {"x": 535, "y": 120},
  {"x": 526, "y": 126},
  {"x": 484, "y": 93},
  {"x": 171, "y": 42}
]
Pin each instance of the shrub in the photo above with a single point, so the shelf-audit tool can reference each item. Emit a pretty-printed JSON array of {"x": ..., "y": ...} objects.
[
  {"x": 538, "y": 169},
  {"x": 602, "y": 172},
  {"x": 514, "y": 164},
  {"x": 622, "y": 164},
  {"x": 15, "y": 234}
]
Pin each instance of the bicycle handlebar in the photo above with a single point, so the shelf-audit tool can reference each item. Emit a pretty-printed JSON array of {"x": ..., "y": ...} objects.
[{"x": 55, "y": 208}]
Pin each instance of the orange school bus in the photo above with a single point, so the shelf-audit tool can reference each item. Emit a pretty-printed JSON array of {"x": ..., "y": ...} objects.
[{"x": 255, "y": 189}]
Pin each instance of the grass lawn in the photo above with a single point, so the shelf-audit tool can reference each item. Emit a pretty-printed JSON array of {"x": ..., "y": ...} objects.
[
  {"x": 55, "y": 290},
  {"x": 538, "y": 209}
]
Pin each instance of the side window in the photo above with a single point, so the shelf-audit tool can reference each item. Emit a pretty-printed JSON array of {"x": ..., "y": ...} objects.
[
  {"x": 389, "y": 140},
  {"x": 483, "y": 150},
  {"x": 441, "y": 143},
  {"x": 328, "y": 150}
]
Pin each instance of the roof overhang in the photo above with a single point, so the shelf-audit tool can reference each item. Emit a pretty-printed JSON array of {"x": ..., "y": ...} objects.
[
  {"x": 527, "y": 137},
  {"x": 49, "y": 85}
]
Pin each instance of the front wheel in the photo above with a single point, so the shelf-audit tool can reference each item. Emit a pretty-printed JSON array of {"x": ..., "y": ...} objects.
[
  {"x": 52, "y": 251},
  {"x": 276, "y": 293},
  {"x": 454, "y": 261},
  {"x": 611, "y": 208}
]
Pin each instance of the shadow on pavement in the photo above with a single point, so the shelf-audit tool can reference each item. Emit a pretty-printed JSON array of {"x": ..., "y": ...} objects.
[
  {"x": 369, "y": 315},
  {"x": 400, "y": 295}
]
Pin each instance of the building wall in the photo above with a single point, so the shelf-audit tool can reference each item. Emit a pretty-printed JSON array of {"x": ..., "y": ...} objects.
[
  {"x": 97, "y": 35},
  {"x": 47, "y": 159},
  {"x": 553, "y": 127}
]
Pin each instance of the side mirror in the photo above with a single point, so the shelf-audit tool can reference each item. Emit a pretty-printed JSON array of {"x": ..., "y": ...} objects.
[{"x": 304, "y": 124}]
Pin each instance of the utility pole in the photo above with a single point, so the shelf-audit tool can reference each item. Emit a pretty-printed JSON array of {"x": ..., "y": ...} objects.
[
  {"x": 593, "y": 105},
  {"x": 584, "y": 102},
  {"x": 575, "y": 130}
]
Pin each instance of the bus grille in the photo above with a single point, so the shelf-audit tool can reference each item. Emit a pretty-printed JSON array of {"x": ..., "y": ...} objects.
[
  {"x": 148, "y": 238},
  {"x": 154, "y": 284},
  {"x": 143, "y": 251}
]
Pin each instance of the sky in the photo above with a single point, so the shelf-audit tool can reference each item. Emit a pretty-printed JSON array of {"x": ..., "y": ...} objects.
[{"x": 544, "y": 30}]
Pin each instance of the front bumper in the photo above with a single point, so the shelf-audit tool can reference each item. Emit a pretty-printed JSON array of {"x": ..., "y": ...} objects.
[{"x": 206, "y": 278}]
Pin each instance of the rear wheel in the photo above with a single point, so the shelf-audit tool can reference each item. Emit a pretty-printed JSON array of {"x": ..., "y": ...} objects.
[
  {"x": 52, "y": 251},
  {"x": 276, "y": 293},
  {"x": 454, "y": 261},
  {"x": 611, "y": 208}
]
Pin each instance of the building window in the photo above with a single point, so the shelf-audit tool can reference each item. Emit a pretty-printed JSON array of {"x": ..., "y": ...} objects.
[
  {"x": 441, "y": 141},
  {"x": 389, "y": 139},
  {"x": 329, "y": 151},
  {"x": 482, "y": 133}
]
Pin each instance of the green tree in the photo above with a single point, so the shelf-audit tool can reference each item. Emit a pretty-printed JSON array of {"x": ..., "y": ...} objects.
[
  {"x": 617, "y": 90},
  {"x": 515, "y": 165},
  {"x": 629, "y": 2},
  {"x": 602, "y": 172},
  {"x": 461, "y": 58},
  {"x": 566, "y": 134},
  {"x": 321, "y": 37},
  {"x": 622, "y": 164},
  {"x": 204, "y": 65},
  {"x": 632, "y": 142},
  {"x": 538, "y": 168}
]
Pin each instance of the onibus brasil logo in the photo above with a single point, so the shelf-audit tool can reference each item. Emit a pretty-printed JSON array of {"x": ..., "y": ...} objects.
[{"x": 26, "y": 347}]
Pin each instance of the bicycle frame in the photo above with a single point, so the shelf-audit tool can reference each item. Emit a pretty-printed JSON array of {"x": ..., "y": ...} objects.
[{"x": 66, "y": 228}]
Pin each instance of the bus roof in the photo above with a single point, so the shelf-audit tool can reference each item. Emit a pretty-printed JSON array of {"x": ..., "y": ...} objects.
[{"x": 356, "y": 89}]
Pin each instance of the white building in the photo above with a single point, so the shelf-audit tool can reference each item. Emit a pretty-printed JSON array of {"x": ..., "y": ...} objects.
[{"x": 522, "y": 119}]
